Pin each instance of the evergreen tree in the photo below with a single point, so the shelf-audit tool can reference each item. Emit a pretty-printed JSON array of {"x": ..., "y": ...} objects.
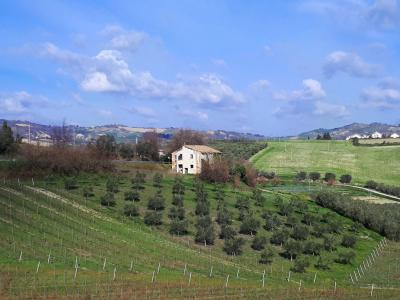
[{"x": 7, "y": 142}]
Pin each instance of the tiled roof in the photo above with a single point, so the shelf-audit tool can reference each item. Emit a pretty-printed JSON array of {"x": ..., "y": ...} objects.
[{"x": 201, "y": 149}]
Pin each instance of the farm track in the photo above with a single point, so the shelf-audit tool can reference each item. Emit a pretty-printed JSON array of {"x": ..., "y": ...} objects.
[{"x": 373, "y": 191}]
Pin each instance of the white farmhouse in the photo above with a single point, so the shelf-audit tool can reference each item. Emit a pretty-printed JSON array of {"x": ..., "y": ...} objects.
[
  {"x": 188, "y": 159},
  {"x": 376, "y": 135},
  {"x": 394, "y": 136}
]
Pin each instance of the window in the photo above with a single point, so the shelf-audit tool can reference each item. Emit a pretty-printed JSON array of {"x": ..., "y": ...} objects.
[
  {"x": 180, "y": 156},
  {"x": 191, "y": 166},
  {"x": 191, "y": 156}
]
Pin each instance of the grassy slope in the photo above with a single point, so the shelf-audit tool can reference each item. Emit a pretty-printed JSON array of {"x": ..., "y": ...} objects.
[
  {"x": 363, "y": 163},
  {"x": 38, "y": 225}
]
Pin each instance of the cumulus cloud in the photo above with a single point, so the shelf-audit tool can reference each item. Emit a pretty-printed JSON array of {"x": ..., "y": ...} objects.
[
  {"x": 122, "y": 39},
  {"x": 309, "y": 100},
  {"x": 108, "y": 71},
  {"x": 386, "y": 95},
  {"x": 349, "y": 63}
]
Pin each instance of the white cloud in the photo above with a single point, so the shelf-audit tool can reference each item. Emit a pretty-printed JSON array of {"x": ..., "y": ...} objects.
[
  {"x": 109, "y": 72},
  {"x": 349, "y": 63},
  {"x": 98, "y": 82},
  {"x": 308, "y": 101},
  {"x": 384, "y": 14},
  {"x": 19, "y": 102},
  {"x": 361, "y": 14},
  {"x": 385, "y": 96},
  {"x": 311, "y": 90},
  {"x": 122, "y": 39},
  {"x": 260, "y": 84}
]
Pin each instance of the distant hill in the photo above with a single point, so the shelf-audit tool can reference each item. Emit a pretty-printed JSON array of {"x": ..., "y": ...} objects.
[
  {"x": 122, "y": 133},
  {"x": 341, "y": 133}
]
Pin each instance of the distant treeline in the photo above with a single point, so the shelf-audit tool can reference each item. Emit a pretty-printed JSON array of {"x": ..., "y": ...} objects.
[{"x": 382, "y": 218}]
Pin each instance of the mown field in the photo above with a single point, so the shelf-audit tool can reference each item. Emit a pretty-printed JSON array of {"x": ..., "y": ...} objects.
[
  {"x": 57, "y": 243},
  {"x": 381, "y": 164}
]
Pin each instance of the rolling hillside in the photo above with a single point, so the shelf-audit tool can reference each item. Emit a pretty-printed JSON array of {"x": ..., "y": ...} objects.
[
  {"x": 381, "y": 164},
  {"x": 56, "y": 243}
]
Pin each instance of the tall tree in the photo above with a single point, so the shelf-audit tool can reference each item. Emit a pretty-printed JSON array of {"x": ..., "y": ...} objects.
[
  {"x": 7, "y": 141},
  {"x": 149, "y": 146}
]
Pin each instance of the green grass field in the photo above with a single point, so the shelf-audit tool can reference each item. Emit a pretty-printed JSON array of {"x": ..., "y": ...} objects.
[
  {"x": 381, "y": 164},
  {"x": 55, "y": 243}
]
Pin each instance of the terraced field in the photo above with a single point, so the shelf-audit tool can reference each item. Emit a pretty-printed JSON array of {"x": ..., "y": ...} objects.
[{"x": 381, "y": 164}]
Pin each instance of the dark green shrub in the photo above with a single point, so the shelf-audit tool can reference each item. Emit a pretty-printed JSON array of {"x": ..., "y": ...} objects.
[
  {"x": 70, "y": 183},
  {"x": 300, "y": 232},
  {"x": 132, "y": 196},
  {"x": 280, "y": 236},
  {"x": 227, "y": 232},
  {"x": 250, "y": 225},
  {"x": 178, "y": 227},
  {"x": 293, "y": 248},
  {"x": 259, "y": 242},
  {"x": 156, "y": 202},
  {"x": 267, "y": 256},
  {"x": 300, "y": 264},
  {"x": 349, "y": 241},
  {"x": 258, "y": 198},
  {"x": 108, "y": 199},
  {"x": 130, "y": 210},
  {"x": 314, "y": 176},
  {"x": 330, "y": 177},
  {"x": 157, "y": 180},
  {"x": 322, "y": 263},
  {"x": 87, "y": 191},
  {"x": 301, "y": 176},
  {"x": 312, "y": 247},
  {"x": 176, "y": 213},
  {"x": 112, "y": 185},
  {"x": 233, "y": 246},
  {"x": 345, "y": 257},
  {"x": 345, "y": 179},
  {"x": 153, "y": 218}
]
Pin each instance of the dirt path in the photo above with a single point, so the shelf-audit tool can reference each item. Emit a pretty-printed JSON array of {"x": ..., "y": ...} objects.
[{"x": 373, "y": 191}]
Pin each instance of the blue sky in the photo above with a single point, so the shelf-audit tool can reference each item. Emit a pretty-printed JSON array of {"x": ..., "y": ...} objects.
[{"x": 269, "y": 67}]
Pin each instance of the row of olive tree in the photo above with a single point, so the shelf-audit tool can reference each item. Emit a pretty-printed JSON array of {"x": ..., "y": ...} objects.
[{"x": 382, "y": 218}]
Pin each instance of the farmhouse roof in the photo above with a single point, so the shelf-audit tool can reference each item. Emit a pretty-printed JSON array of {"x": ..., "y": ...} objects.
[{"x": 201, "y": 149}]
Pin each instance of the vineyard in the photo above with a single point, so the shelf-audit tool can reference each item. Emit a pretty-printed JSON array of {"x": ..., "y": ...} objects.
[{"x": 56, "y": 242}]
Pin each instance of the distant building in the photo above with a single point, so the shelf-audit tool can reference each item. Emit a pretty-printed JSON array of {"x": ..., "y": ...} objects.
[
  {"x": 376, "y": 135},
  {"x": 394, "y": 136},
  {"x": 189, "y": 158},
  {"x": 354, "y": 136}
]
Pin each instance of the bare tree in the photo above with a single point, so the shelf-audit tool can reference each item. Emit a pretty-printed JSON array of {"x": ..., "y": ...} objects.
[
  {"x": 186, "y": 136},
  {"x": 61, "y": 135}
]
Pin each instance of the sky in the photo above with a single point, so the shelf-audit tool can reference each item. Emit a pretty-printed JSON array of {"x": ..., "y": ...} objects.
[{"x": 266, "y": 67}]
